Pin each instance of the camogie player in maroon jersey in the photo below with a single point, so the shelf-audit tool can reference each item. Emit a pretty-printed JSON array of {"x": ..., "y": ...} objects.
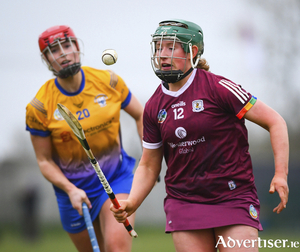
[{"x": 196, "y": 120}]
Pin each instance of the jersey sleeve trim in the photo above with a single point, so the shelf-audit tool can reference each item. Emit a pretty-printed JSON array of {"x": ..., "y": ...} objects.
[
  {"x": 38, "y": 105},
  {"x": 235, "y": 90},
  {"x": 247, "y": 107},
  {"x": 113, "y": 79},
  {"x": 152, "y": 146},
  {"x": 127, "y": 100},
  {"x": 36, "y": 132}
]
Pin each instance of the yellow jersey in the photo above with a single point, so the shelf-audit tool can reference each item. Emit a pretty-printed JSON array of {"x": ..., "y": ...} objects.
[{"x": 97, "y": 106}]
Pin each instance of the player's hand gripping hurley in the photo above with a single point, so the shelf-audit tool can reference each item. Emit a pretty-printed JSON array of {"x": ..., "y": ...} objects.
[{"x": 78, "y": 131}]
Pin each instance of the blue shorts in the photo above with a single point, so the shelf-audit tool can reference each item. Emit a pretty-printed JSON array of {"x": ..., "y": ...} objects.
[{"x": 72, "y": 222}]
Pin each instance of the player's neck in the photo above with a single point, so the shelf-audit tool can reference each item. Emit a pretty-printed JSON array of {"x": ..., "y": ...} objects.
[{"x": 72, "y": 83}]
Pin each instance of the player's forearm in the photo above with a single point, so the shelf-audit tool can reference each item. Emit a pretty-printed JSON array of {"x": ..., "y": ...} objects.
[
  {"x": 55, "y": 176},
  {"x": 280, "y": 146},
  {"x": 143, "y": 182}
]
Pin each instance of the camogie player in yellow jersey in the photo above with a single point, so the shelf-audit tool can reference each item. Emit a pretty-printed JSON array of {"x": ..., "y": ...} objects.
[{"x": 96, "y": 97}]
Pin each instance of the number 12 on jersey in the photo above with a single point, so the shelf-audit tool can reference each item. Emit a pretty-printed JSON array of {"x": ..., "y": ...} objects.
[{"x": 178, "y": 113}]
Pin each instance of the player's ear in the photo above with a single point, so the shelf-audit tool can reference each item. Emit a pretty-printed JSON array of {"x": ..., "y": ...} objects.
[{"x": 195, "y": 50}]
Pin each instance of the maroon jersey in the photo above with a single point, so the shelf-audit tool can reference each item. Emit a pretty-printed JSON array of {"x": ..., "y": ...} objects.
[{"x": 203, "y": 133}]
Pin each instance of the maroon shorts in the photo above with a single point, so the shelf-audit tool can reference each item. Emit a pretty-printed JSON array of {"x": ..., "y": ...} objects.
[{"x": 182, "y": 215}]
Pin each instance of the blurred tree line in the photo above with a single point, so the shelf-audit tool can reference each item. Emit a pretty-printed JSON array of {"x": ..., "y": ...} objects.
[
  {"x": 280, "y": 39},
  {"x": 281, "y": 43}
]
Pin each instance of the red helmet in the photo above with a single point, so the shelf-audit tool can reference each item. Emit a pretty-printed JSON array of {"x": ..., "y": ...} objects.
[
  {"x": 51, "y": 35},
  {"x": 57, "y": 35}
]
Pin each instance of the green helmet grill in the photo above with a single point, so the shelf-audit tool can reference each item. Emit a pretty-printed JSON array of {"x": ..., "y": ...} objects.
[{"x": 184, "y": 32}]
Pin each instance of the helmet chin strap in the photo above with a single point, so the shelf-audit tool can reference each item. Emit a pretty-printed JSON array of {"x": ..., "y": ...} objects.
[
  {"x": 69, "y": 71},
  {"x": 172, "y": 76}
]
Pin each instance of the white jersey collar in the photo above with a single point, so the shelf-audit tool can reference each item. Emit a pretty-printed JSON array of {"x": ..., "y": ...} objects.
[{"x": 182, "y": 89}]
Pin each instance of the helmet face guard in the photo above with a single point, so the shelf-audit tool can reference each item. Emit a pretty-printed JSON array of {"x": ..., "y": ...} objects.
[
  {"x": 183, "y": 32},
  {"x": 56, "y": 36}
]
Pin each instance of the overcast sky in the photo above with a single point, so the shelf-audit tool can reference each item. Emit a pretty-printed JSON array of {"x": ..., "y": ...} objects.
[{"x": 125, "y": 26}]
